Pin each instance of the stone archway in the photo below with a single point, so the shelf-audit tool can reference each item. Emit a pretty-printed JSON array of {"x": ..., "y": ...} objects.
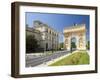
[{"x": 77, "y": 31}]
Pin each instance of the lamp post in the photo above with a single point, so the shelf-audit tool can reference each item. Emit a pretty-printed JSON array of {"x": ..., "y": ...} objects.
[
  {"x": 44, "y": 46},
  {"x": 52, "y": 44},
  {"x": 71, "y": 43}
]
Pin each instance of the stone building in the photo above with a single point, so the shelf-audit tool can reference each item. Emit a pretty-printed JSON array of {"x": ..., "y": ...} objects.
[
  {"x": 76, "y": 33},
  {"x": 49, "y": 36}
]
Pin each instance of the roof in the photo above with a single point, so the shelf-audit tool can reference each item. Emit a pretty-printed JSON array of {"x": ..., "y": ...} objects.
[
  {"x": 32, "y": 30},
  {"x": 44, "y": 25},
  {"x": 75, "y": 28}
]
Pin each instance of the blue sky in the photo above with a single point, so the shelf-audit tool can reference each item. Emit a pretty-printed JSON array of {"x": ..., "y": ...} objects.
[{"x": 58, "y": 21}]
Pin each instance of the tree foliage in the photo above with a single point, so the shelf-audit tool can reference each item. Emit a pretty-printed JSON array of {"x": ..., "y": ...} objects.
[
  {"x": 62, "y": 45},
  {"x": 73, "y": 46},
  {"x": 31, "y": 44},
  {"x": 88, "y": 45}
]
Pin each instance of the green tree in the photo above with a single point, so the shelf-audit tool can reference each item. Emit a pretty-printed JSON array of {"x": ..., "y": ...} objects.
[
  {"x": 31, "y": 44},
  {"x": 61, "y": 46},
  {"x": 73, "y": 46},
  {"x": 88, "y": 45}
]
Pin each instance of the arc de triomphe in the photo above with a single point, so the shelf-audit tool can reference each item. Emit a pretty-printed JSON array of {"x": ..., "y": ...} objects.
[{"x": 79, "y": 33}]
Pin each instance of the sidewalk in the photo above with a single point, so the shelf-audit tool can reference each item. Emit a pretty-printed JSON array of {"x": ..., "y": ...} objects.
[
  {"x": 55, "y": 60},
  {"x": 45, "y": 64}
]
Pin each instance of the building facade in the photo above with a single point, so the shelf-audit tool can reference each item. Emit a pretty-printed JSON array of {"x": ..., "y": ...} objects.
[
  {"x": 76, "y": 33},
  {"x": 49, "y": 36}
]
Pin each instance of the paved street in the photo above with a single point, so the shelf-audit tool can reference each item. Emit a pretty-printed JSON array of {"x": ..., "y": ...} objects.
[{"x": 32, "y": 61}]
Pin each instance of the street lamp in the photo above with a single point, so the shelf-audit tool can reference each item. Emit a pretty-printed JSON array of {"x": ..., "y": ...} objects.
[
  {"x": 44, "y": 45},
  {"x": 52, "y": 44},
  {"x": 71, "y": 44}
]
